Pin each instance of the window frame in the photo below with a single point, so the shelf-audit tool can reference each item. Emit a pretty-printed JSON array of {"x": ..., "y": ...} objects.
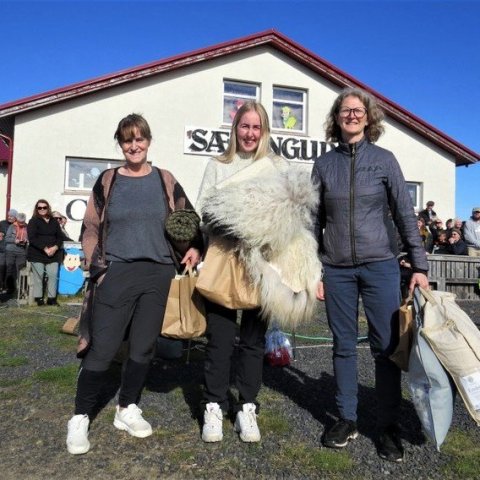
[
  {"x": 419, "y": 190},
  {"x": 303, "y": 104},
  {"x": 245, "y": 97},
  {"x": 108, "y": 162}
]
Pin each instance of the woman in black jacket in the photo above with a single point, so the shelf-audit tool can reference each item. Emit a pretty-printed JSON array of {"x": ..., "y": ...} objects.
[{"x": 44, "y": 251}]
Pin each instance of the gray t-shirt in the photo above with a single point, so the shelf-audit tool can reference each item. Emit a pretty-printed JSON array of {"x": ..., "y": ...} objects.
[{"x": 136, "y": 220}]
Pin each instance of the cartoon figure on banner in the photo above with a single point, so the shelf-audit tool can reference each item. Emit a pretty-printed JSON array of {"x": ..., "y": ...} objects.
[
  {"x": 71, "y": 277},
  {"x": 289, "y": 120}
]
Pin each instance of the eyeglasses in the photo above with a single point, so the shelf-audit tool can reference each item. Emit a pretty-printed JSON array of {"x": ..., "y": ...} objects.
[
  {"x": 42, "y": 208},
  {"x": 58, "y": 218},
  {"x": 358, "y": 112}
]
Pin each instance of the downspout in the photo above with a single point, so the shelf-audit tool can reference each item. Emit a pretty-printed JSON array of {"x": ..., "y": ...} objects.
[{"x": 9, "y": 171}]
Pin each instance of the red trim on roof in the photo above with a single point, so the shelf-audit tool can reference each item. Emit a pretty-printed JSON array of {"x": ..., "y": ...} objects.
[{"x": 463, "y": 155}]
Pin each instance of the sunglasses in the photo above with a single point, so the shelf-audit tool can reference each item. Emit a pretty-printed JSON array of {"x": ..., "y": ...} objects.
[{"x": 42, "y": 208}]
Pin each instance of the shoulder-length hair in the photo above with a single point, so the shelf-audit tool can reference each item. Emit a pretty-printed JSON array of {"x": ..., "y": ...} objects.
[
  {"x": 35, "y": 211},
  {"x": 375, "y": 127},
  {"x": 263, "y": 148}
]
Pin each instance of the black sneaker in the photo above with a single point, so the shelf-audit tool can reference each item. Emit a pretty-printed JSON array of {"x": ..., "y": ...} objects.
[
  {"x": 339, "y": 435},
  {"x": 389, "y": 445}
]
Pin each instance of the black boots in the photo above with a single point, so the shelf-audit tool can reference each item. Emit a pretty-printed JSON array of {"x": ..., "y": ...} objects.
[{"x": 50, "y": 301}]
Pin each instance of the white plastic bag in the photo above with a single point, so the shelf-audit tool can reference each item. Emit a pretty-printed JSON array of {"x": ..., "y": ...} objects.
[{"x": 430, "y": 386}]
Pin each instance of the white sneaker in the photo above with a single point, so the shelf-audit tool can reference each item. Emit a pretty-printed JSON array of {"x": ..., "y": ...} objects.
[
  {"x": 131, "y": 420},
  {"x": 212, "y": 423},
  {"x": 246, "y": 423},
  {"x": 77, "y": 436}
]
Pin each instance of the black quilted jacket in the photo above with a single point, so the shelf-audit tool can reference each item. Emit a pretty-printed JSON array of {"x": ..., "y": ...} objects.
[{"x": 360, "y": 185}]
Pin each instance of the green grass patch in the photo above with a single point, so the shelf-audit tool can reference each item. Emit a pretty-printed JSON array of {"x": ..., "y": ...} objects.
[
  {"x": 273, "y": 422},
  {"x": 6, "y": 361},
  {"x": 64, "y": 378},
  {"x": 181, "y": 456},
  {"x": 464, "y": 450},
  {"x": 314, "y": 460}
]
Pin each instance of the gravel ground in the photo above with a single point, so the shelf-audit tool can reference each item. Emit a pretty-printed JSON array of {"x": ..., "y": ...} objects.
[{"x": 297, "y": 405}]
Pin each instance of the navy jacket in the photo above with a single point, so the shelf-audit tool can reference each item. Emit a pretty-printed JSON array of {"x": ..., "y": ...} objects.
[{"x": 361, "y": 189}]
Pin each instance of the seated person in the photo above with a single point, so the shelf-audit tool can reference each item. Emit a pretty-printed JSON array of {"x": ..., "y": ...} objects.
[
  {"x": 441, "y": 246},
  {"x": 427, "y": 240},
  {"x": 456, "y": 245}
]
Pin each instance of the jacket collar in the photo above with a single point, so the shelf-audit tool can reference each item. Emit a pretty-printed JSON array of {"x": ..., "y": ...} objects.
[{"x": 347, "y": 147}]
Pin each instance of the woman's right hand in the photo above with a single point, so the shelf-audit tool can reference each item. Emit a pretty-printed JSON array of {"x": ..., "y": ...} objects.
[{"x": 320, "y": 291}]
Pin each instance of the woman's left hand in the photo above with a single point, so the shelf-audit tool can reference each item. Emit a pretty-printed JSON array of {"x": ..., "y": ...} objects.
[
  {"x": 419, "y": 279},
  {"x": 191, "y": 258}
]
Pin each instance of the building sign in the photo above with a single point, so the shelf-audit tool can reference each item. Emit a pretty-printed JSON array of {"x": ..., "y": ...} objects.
[{"x": 207, "y": 141}]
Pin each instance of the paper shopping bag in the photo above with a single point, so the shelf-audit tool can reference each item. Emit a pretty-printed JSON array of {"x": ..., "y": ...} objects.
[
  {"x": 224, "y": 280},
  {"x": 184, "y": 313},
  {"x": 401, "y": 354}
]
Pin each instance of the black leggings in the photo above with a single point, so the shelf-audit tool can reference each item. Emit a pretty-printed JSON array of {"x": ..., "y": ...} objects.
[{"x": 132, "y": 296}]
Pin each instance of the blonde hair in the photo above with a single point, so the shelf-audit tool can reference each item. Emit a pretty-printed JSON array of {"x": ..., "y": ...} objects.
[
  {"x": 263, "y": 148},
  {"x": 372, "y": 131}
]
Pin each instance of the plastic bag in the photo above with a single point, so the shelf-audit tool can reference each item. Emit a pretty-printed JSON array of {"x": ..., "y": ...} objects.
[
  {"x": 431, "y": 389},
  {"x": 278, "y": 350}
]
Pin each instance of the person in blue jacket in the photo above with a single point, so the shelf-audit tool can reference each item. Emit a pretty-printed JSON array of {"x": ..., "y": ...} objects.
[{"x": 361, "y": 190}]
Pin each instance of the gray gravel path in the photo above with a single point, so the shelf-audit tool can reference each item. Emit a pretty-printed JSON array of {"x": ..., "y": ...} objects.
[{"x": 33, "y": 428}]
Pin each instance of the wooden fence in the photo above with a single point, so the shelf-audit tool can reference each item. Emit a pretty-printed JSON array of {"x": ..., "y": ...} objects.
[{"x": 458, "y": 274}]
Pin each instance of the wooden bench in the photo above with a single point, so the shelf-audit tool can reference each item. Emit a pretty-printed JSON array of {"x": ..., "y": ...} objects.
[{"x": 458, "y": 274}]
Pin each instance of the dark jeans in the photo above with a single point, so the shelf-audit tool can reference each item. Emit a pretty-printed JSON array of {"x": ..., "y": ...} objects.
[
  {"x": 132, "y": 296},
  {"x": 378, "y": 284},
  {"x": 15, "y": 262},
  {"x": 221, "y": 332}
]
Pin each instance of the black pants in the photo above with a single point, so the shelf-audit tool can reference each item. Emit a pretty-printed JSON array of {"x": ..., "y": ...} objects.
[
  {"x": 221, "y": 332},
  {"x": 132, "y": 296}
]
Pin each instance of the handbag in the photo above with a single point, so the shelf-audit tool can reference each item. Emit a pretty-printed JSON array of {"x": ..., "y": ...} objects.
[
  {"x": 401, "y": 354},
  {"x": 184, "y": 316},
  {"x": 224, "y": 280}
]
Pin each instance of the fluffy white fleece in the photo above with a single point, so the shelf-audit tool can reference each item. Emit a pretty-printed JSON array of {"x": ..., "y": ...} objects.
[{"x": 271, "y": 215}]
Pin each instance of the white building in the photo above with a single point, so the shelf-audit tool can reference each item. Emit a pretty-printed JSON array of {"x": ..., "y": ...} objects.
[{"x": 59, "y": 141}]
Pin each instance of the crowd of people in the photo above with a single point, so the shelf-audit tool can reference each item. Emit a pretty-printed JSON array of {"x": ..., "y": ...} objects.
[
  {"x": 454, "y": 237},
  {"x": 361, "y": 199},
  {"x": 38, "y": 241}
]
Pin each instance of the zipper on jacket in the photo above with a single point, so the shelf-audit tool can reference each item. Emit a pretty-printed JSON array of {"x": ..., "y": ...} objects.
[{"x": 353, "y": 156}]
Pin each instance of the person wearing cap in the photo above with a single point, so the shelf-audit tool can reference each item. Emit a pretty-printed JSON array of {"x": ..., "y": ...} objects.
[
  {"x": 471, "y": 233},
  {"x": 16, "y": 241},
  {"x": 428, "y": 214},
  {"x": 4, "y": 224},
  {"x": 456, "y": 245}
]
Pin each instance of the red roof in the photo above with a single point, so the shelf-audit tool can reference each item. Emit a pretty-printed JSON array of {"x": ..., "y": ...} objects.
[{"x": 272, "y": 38}]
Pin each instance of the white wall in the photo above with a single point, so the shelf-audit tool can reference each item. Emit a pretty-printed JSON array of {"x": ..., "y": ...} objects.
[{"x": 84, "y": 127}]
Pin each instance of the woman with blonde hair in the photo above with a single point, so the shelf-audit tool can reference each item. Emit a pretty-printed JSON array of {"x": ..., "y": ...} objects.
[{"x": 249, "y": 142}]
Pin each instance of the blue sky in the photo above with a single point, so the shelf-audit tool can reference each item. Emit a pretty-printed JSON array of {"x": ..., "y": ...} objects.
[{"x": 423, "y": 55}]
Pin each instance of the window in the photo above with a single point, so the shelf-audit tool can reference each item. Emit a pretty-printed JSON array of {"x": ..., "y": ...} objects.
[
  {"x": 414, "y": 189},
  {"x": 288, "y": 109},
  {"x": 81, "y": 173},
  {"x": 235, "y": 94}
]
